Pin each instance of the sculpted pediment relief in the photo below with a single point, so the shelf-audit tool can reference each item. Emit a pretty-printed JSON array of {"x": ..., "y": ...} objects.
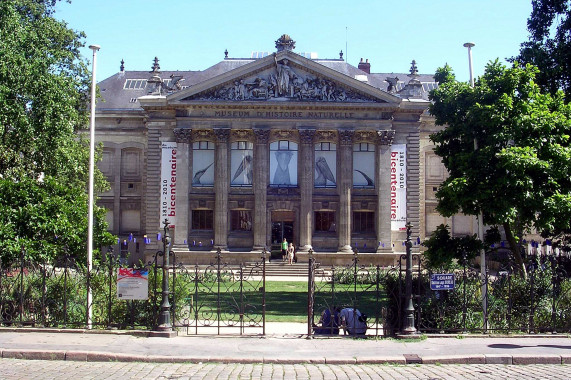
[{"x": 282, "y": 79}]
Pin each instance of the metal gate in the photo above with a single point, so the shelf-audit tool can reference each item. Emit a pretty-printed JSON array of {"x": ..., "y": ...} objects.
[
  {"x": 219, "y": 298},
  {"x": 353, "y": 286}
]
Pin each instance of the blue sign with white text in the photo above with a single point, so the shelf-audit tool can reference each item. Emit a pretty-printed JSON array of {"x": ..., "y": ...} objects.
[{"x": 443, "y": 281}]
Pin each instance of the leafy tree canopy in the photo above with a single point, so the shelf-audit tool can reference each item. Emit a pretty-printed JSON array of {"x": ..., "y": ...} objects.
[
  {"x": 549, "y": 45},
  {"x": 444, "y": 251},
  {"x": 44, "y": 87},
  {"x": 506, "y": 147}
]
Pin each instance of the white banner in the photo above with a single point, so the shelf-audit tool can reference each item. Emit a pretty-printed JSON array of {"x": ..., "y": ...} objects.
[
  {"x": 168, "y": 184},
  {"x": 398, "y": 187}
]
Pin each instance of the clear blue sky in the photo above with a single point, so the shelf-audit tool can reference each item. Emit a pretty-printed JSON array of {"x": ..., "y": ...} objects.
[{"x": 193, "y": 34}]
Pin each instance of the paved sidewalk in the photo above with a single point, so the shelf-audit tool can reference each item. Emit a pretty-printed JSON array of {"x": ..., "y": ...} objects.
[{"x": 284, "y": 343}]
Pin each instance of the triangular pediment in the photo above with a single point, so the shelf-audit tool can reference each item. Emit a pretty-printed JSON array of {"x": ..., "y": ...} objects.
[{"x": 282, "y": 77}]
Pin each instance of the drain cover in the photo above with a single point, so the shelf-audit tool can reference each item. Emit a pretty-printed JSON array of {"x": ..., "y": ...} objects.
[{"x": 412, "y": 359}]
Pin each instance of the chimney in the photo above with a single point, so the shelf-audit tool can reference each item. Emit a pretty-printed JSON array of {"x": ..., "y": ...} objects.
[{"x": 365, "y": 66}]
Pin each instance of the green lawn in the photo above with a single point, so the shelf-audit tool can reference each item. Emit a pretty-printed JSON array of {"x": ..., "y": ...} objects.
[{"x": 287, "y": 301}]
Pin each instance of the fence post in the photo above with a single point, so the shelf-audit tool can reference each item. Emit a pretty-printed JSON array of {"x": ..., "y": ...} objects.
[
  {"x": 464, "y": 279},
  {"x": 21, "y": 301},
  {"x": 554, "y": 292},
  {"x": 65, "y": 273},
  {"x": 310, "y": 294},
  {"x": 264, "y": 256},
  {"x": 110, "y": 285},
  {"x": 218, "y": 310}
]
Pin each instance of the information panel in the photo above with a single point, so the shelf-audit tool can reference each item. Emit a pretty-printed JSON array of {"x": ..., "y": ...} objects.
[{"x": 132, "y": 284}]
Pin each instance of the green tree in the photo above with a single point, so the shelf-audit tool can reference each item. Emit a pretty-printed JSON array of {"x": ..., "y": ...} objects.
[
  {"x": 44, "y": 88},
  {"x": 549, "y": 45},
  {"x": 506, "y": 148}
]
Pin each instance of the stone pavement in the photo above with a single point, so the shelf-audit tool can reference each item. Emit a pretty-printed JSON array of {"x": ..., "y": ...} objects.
[
  {"x": 64, "y": 370},
  {"x": 284, "y": 343}
]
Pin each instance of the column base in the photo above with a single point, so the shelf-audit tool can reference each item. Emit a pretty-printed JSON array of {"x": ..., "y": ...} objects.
[
  {"x": 305, "y": 248},
  {"x": 345, "y": 249}
]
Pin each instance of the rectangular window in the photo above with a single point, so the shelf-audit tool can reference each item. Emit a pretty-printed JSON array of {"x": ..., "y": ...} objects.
[
  {"x": 325, "y": 221},
  {"x": 202, "y": 219},
  {"x": 241, "y": 220},
  {"x": 363, "y": 222},
  {"x": 134, "y": 84}
]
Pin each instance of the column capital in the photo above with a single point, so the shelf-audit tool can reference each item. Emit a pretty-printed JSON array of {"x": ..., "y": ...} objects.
[
  {"x": 386, "y": 136},
  {"x": 222, "y": 134},
  {"x": 306, "y": 135},
  {"x": 262, "y": 135},
  {"x": 346, "y": 136},
  {"x": 183, "y": 135}
]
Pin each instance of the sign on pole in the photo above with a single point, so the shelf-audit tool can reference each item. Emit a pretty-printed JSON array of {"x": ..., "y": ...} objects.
[
  {"x": 132, "y": 284},
  {"x": 443, "y": 281}
]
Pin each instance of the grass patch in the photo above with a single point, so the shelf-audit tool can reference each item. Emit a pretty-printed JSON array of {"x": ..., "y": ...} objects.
[{"x": 286, "y": 301}]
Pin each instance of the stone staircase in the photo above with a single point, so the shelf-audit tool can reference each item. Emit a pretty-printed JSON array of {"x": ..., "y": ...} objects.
[{"x": 279, "y": 268}]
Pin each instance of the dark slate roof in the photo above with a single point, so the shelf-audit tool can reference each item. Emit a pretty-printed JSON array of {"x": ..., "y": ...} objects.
[{"x": 117, "y": 97}]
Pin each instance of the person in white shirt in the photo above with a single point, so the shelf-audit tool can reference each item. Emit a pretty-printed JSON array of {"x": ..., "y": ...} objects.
[{"x": 353, "y": 321}]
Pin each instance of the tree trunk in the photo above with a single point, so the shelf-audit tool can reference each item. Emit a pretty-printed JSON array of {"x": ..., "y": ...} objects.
[{"x": 514, "y": 248}]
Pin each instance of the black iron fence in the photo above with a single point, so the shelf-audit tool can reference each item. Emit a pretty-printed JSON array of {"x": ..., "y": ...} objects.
[
  {"x": 219, "y": 298},
  {"x": 501, "y": 301},
  {"x": 56, "y": 295}
]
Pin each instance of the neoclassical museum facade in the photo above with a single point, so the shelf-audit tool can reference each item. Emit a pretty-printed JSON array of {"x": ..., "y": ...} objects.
[{"x": 250, "y": 151}]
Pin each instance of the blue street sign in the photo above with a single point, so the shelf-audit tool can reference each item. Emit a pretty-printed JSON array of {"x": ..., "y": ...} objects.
[{"x": 443, "y": 281}]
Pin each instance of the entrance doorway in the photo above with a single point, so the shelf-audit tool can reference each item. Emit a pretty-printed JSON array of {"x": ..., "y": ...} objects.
[{"x": 282, "y": 227}]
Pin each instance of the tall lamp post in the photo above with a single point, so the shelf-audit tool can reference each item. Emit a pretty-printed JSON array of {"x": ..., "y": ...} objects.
[
  {"x": 484, "y": 288},
  {"x": 164, "y": 327},
  {"x": 408, "y": 315},
  {"x": 95, "y": 48}
]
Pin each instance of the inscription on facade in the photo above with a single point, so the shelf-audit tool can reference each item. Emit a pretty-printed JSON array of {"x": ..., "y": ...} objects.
[{"x": 285, "y": 114}]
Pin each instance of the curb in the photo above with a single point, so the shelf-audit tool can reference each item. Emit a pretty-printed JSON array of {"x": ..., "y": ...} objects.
[{"x": 94, "y": 356}]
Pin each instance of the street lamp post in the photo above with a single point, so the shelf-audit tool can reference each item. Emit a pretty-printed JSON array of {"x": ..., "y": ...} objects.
[
  {"x": 408, "y": 315},
  {"x": 95, "y": 48},
  {"x": 484, "y": 288},
  {"x": 164, "y": 327}
]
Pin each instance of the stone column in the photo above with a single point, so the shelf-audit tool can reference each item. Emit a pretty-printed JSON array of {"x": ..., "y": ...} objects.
[
  {"x": 345, "y": 184},
  {"x": 306, "y": 188},
  {"x": 261, "y": 176},
  {"x": 221, "y": 180},
  {"x": 384, "y": 142},
  {"x": 183, "y": 137}
]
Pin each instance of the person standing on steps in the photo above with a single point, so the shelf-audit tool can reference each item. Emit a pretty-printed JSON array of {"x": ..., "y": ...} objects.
[
  {"x": 284, "y": 249},
  {"x": 290, "y": 253}
]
